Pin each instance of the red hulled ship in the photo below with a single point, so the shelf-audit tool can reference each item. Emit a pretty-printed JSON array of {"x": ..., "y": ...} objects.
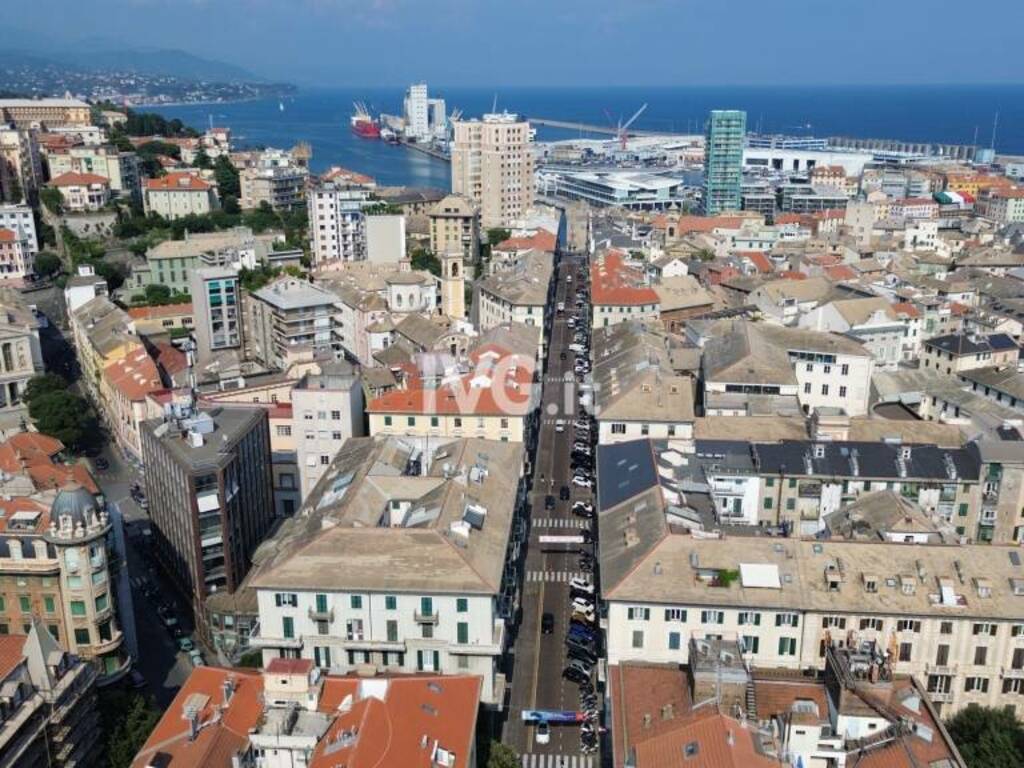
[{"x": 363, "y": 124}]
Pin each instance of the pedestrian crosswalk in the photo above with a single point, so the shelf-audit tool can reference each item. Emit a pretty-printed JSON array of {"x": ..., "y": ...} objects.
[
  {"x": 533, "y": 760},
  {"x": 553, "y": 576},
  {"x": 559, "y": 522}
]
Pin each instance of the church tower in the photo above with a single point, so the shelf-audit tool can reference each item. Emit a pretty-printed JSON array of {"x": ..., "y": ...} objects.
[{"x": 453, "y": 285}]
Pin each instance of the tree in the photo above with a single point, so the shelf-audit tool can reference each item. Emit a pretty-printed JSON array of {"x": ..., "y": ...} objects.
[
  {"x": 227, "y": 177},
  {"x": 230, "y": 205},
  {"x": 64, "y": 415},
  {"x": 115, "y": 274},
  {"x": 47, "y": 263},
  {"x": 157, "y": 294},
  {"x": 502, "y": 756},
  {"x": 127, "y": 719},
  {"x": 202, "y": 160},
  {"x": 497, "y": 235},
  {"x": 988, "y": 737},
  {"x": 424, "y": 259},
  {"x": 43, "y": 384},
  {"x": 50, "y": 196}
]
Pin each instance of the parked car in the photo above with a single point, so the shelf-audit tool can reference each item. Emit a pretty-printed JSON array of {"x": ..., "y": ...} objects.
[
  {"x": 582, "y": 482},
  {"x": 186, "y": 645},
  {"x": 196, "y": 658},
  {"x": 576, "y": 675},
  {"x": 587, "y": 617},
  {"x": 581, "y": 654},
  {"x": 579, "y": 633},
  {"x": 547, "y": 623},
  {"x": 583, "y": 509}
]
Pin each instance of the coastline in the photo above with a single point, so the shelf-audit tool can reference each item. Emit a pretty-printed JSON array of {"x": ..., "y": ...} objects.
[{"x": 206, "y": 103}]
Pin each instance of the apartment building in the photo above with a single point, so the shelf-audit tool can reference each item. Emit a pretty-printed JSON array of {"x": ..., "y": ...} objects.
[
  {"x": 492, "y": 165},
  {"x": 81, "y": 192},
  {"x": 1005, "y": 206},
  {"x": 874, "y": 322},
  {"x": 521, "y": 293},
  {"x": 947, "y": 615},
  {"x": 178, "y": 194},
  {"x": 52, "y": 720},
  {"x": 216, "y": 310},
  {"x": 786, "y": 301},
  {"x": 121, "y": 169},
  {"x": 208, "y": 481},
  {"x": 723, "y": 160},
  {"x": 747, "y": 362},
  {"x": 59, "y": 564},
  {"x": 291, "y": 714},
  {"x": 15, "y": 261},
  {"x": 455, "y": 228},
  {"x": 287, "y": 318},
  {"x": 103, "y": 333},
  {"x": 21, "y": 165},
  {"x": 172, "y": 262},
  {"x": 49, "y": 113},
  {"x": 21, "y": 355},
  {"x": 337, "y": 227},
  {"x": 619, "y": 292},
  {"x": 496, "y": 400},
  {"x": 327, "y": 409},
  {"x": 124, "y": 388},
  {"x": 275, "y": 179},
  {"x": 636, "y": 390},
  {"x": 410, "y": 567},
  {"x": 958, "y": 352},
  {"x": 19, "y": 219},
  {"x": 162, "y": 319}
]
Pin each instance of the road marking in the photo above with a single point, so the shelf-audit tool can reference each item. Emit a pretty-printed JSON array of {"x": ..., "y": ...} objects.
[
  {"x": 534, "y": 760},
  {"x": 553, "y": 577},
  {"x": 558, "y": 522}
]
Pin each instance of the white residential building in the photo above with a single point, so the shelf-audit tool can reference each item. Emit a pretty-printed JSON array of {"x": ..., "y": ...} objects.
[
  {"x": 19, "y": 219},
  {"x": 337, "y": 226},
  {"x": 179, "y": 194},
  {"x": 492, "y": 165}
]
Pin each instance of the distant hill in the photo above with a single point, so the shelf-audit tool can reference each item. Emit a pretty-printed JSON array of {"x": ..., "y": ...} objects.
[{"x": 153, "y": 61}]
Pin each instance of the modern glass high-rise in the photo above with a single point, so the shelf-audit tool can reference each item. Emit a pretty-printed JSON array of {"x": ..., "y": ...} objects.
[{"x": 723, "y": 160}]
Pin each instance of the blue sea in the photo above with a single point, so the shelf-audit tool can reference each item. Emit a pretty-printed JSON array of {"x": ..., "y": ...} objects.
[{"x": 944, "y": 114}]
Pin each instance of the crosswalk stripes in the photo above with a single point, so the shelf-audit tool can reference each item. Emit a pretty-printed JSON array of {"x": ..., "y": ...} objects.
[
  {"x": 559, "y": 577},
  {"x": 559, "y": 522},
  {"x": 534, "y": 760}
]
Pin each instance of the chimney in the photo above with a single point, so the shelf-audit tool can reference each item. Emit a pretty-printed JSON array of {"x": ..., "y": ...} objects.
[{"x": 729, "y": 738}]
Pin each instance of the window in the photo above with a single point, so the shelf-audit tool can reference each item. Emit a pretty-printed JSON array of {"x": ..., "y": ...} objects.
[
  {"x": 321, "y": 603},
  {"x": 434, "y": 421},
  {"x": 1013, "y": 685},
  {"x": 288, "y": 627},
  {"x": 844, "y": 370},
  {"x": 751, "y": 618},
  {"x": 875, "y": 624},
  {"x": 410, "y": 421},
  {"x": 618, "y": 429},
  {"x": 906, "y": 651},
  {"x": 824, "y": 389},
  {"x": 461, "y": 605},
  {"x": 102, "y": 602},
  {"x": 638, "y": 613},
  {"x": 675, "y": 614},
  {"x": 787, "y": 620},
  {"x": 673, "y": 641},
  {"x": 770, "y": 482},
  {"x": 787, "y": 646},
  {"x": 638, "y": 638},
  {"x": 980, "y": 655},
  {"x": 835, "y": 622},
  {"x": 976, "y": 685},
  {"x": 282, "y": 599},
  {"x": 750, "y": 643},
  {"x": 427, "y": 606},
  {"x": 908, "y": 625},
  {"x": 82, "y": 636},
  {"x": 335, "y": 415},
  {"x": 790, "y": 504},
  {"x": 842, "y": 391},
  {"x": 392, "y": 630},
  {"x": 942, "y": 655},
  {"x": 48, "y": 604},
  {"x": 984, "y": 629},
  {"x": 946, "y": 628},
  {"x": 357, "y": 602},
  {"x": 390, "y": 602},
  {"x": 1017, "y": 661},
  {"x": 387, "y": 421},
  {"x": 77, "y": 608},
  {"x": 712, "y": 617},
  {"x": 462, "y": 632},
  {"x": 1017, "y": 630},
  {"x": 807, "y": 388},
  {"x": 25, "y": 603},
  {"x": 767, "y": 502},
  {"x": 283, "y": 430}
]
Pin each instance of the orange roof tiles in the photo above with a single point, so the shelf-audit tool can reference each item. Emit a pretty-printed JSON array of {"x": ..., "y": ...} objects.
[
  {"x": 72, "y": 179},
  {"x": 32, "y": 454},
  {"x": 12, "y": 653},
  {"x": 170, "y": 358},
  {"x": 694, "y": 224},
  {"x": 508, "y": 395},
  {"x": 790, "y": 274},
  {"x": 759, "y": 260},
  {"x": 290, "y": 666},
  {"x": 178, "y": 181},
  {"x": 7, "y": 235},
  {"x": 541, "y": 241},
  {"x": 615, "y": 283},
  {"x": 721, "y": 742},
  {"x": 135, "y": 375},
  {"x": 163, "y": 310},
  {"x": 906, "y": 308},
  {"x": 840, "y": 272},
  {"x": 17, "y": 504}
]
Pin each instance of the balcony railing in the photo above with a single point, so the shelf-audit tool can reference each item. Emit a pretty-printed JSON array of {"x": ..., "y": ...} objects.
[
  {"x": 425, "y": 618},
  {"x": 325, "y": 615}
]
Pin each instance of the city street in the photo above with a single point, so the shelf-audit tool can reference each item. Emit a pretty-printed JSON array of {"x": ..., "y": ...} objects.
[{"x": 537, "y": 679}]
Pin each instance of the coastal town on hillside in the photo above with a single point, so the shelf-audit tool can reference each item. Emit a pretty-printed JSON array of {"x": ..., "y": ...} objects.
[{"x": 633, "y": 450}]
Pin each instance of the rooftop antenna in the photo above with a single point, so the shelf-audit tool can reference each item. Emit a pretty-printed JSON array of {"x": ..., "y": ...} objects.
[{"x": 995, "y": 125}]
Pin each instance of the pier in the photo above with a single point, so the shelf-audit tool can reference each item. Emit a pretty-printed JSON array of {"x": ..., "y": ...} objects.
[
  {"x": 608, "y": 130},
  {"x": 427, "y": 150}
]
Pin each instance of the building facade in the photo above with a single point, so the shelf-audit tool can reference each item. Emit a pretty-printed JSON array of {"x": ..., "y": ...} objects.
[
  {"x": 337, "y": 227},
  {"x": 723, "y": 160},
  {"x": 492, "y": 166}
]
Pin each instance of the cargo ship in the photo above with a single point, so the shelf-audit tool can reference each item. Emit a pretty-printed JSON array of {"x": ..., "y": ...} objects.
[{"x": 363, "y": 124}]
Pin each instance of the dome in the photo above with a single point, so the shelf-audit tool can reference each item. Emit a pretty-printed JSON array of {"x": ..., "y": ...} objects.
[{"x": 76, "y": 502}]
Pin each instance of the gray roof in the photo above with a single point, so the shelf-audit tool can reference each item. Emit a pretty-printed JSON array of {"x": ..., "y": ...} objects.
[
  {"x": 230, "y": 424},
  {"x": 292, "y": 293}
]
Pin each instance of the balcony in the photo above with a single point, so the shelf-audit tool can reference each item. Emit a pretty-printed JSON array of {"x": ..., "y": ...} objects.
[
  {"x": 425, "y": 618},
  {"x": 941, "y": 698},
  {"x": 316, "y": 615},
  {"x": 939, "y": 669},
  {"x": 1012, "y": 674},
  {"x": 479, "y": 648}
]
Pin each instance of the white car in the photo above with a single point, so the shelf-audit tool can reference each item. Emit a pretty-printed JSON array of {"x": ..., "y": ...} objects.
[
  {"x": 579, "y": 604},
  {"x": 543, "y": 734},
  {"x": 581, "y": 584},
  {"x": 582, "y": 482},
  {"x": 561, "y": 306},
  {"x": 560, "y": 425}
]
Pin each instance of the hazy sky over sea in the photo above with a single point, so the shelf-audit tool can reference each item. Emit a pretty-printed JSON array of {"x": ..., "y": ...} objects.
[{"x": 559, "y": 42}]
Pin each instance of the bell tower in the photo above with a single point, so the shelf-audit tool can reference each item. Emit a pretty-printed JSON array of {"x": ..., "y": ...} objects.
[{"x": 453, "y": 285}]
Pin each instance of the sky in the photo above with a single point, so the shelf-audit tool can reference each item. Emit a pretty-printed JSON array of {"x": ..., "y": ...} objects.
[{"x": 560, "y": 42}]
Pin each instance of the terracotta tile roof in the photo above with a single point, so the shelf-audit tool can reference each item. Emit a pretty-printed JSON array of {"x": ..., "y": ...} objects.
[
  {"x": 72, "y": 179},
  {"x": 290, "y": 666},
  {"x": 216, "y": 741},
  {"x": 541, "y": 241},
  {"x": 7, "y": 235},
  {"x": 616, "y": 284},
  {"x": 840, "y": 272},
  {"x": 906, "y": 309},
  {"x": 170, "y": 358},
  {"x": 686, "y": 225},
  {"x": 720, "y": 742},
  {"x": 134, "y": 375},
  {"x": 638, "y": 689},
  {"x": 180, "y": 181},
  {"x": 788, "y": 218},
  {"x": 344, "y": 174},
  {"x": 759, "y": 260},
  {"x": 777, "y": 696},
  {"x": 24, "y": 504},
  {"x": 12, "y": 653},
  {"x": 32, "y": 454},
  {"x": 790, "y": 274},
  {"x": 164, "y": 310}
]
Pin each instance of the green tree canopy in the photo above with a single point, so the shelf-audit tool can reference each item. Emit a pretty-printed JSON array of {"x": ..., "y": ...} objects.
[
  {"x": 156, "y": 147},
  {"x": 497, "y": 235},
  {"x": 43, "y": 384},
  {"x": 424, "y": 259},
  {"x": 128, "y": 719},
  {"x": 64, "y": 415},
  {"x": 50, "y": 196},
  {"x": 227, "y": 177},
  {"x": 988, "y": 737},
  {"x": 229, "y": 204},
  {"x": 157, "y": 294},
  {"x": 502, "y": 756},
  {"x": 47, "y": 263},
  {"x": 202, "y": 159}
]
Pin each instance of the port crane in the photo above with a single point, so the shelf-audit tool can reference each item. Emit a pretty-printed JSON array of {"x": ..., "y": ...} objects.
[{"x": 622, "y": 130}]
